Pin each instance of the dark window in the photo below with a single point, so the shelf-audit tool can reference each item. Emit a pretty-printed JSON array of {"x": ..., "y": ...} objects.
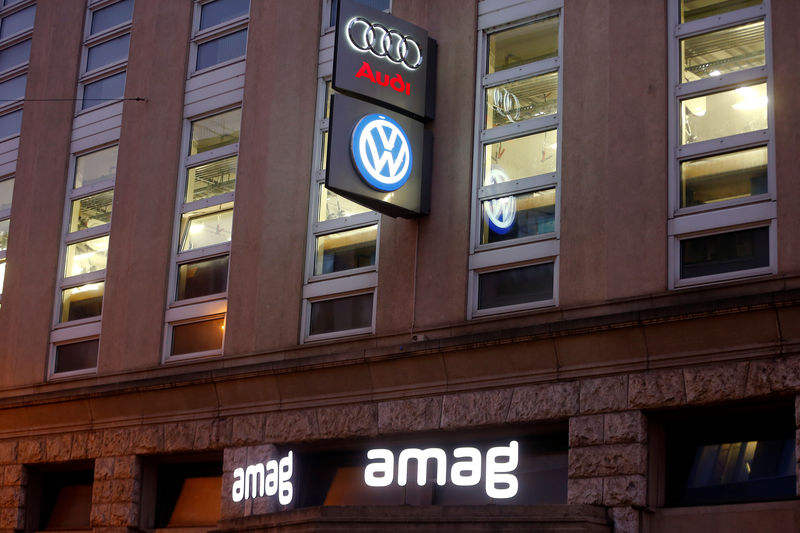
[
  {"x": 203, "y": 336},
  {"x": 725, "y": 252},
  {"x": 341, "y": 314},
  {"x": 381, "y": 5},
  {"x": 60, "y": 497},
  {"x": 201, "y": 278},
  {"x": 76, "y": 356},
  {"x": 515, "y": 286}
]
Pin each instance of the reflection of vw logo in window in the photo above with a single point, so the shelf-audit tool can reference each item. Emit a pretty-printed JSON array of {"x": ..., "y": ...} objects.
[
  {"x": 381, "y": 152},
  {"x": 499, "y": 212}
]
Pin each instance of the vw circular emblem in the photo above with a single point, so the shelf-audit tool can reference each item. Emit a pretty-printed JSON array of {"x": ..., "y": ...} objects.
[
  {"x": 381, "y": 152},
  {"x": 384, "y": 42},
  {"x": 499, "y": 213}
]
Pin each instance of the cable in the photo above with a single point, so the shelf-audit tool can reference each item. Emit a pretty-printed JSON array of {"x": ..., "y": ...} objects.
[{"x": 135, "y": 99}]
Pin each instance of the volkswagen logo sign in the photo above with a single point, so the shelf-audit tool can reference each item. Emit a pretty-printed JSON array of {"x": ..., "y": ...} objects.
[
  {"x": 381, "y": 152},
  {"x": 499, "y": 213}
]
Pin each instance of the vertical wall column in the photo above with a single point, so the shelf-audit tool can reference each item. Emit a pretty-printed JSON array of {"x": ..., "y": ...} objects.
[
  {"x": 116, "y": 493},
  {"x": 608, "y": 457}
]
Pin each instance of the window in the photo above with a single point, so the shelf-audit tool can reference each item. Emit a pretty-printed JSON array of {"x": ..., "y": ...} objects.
[
  {"x": 343, "y": 236},
  {"x": 722, "y": 186},
  {"x": 105, "y": 52},
  {"x": 87, "y": 224},
  {"x": 514, "y": 248},
  {"x": 59, "y": 497},
  {"x": 196, "y": 314},
  {"x": 329, "y": 9},
  {"x": 6, "y": 192},
  {"x": 745, "y": 455},
  {"x": 16, "y": 29},
  {"x": 219, "y": 33}
]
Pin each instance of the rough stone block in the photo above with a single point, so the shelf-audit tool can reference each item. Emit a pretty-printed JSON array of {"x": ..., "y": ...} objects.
[
  {"x": 149, "y": 439},
  {"x": 224, "y": 432},
  {"x": 628, "y": 426},
  {"x": 607, "y": 460},
  {"x": 123, "y": 514},
  {"x": 585, "y": 430},
  {"x": 79, "y": 448},
  {"x": 58, "y": 448},
  {"x": 100, "y": 514},
  {"x": 476, "y": 408},
  {"x": 30, "y": 451},
  {"x": 127, "y": 467},
  {"x": 626, "y": 519},
  {"x": 660, "y": 388},
  {"x": 544, "y": 402},
  {"x": 125, "y": 490},
  {"x": 291, "y": 426},
  {"x": 103, "y": 468},
  {"x": 414, "y": 414},
  {"x": 604, "y": 394},
  {"x": 12, "y": 497},
  {"x": 708, "y": 384},
  {"x": 101, "y": 491},
  {"x": 8, "y": 452},
  {"x": 585, "y": 490},
  {"x": 248, "y": 429},
  {"x": 117, "y": 442},
  {"x": 773, "y": 375},
  {"x": 94, "y": 444},
  {"x": 347, "y": 421},
  {"x": 260, "y": 454},
  {"x": 15, "y": 475},
  {"x": 206, "y": 435},
  {"x": 12, "y": 518},
  {"x": 624, "y": 490},
  {"x": 179, "y": 436}
]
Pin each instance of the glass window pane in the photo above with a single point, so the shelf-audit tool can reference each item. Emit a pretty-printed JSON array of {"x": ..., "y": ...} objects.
[
  {"x": 15, "y": 55},
  {"x": 11, "y": 124},
  {"x": 6, "y": 193},
  {"x": 196, "y": 337},
  {"x": 92, "y": 211},
  {"x": 111, "y": 16},
  {"x": 382, "y": 5},
  {"x": 108, "y": 52},
  {"x": 724, "y": 177},
  {"x": 11, "y": 2},
  {"x": 518, "y": 216},
  {"x": 723, "y": 51},
  {"x": 206, "y": 227},
  {"x": 520, "y": 100},
  {"x": 211, "y": 179},
  {"x": 76, "y": 356},
  {"x": 220, "y": 11},
  {"x": 345, "y": 250},
  {"x": 102, "y": 91},
  {"x": 4, "y": 224},
  {"x": 97, "y": 166},
  {"x": 515, "y": 286},
  {"x": 85, "y": 301},
  {"x": 215, "y": 132},
  {"x": 222, "y": 49},
  {"x": 725, "y": 252},
  {"x": 520, "y": 158},
  {"x": 324, "y": 163},
  {"x": 698, "y": 9},
  {"x": 333, "y": 206},
  {"x": 2, "y": 274},
  {"x": 341, "y": 314},
  {"x": 727, "y": 113},
  {"x": 14, "y": 88},
  {"x": 201, "y": 278},
  {"x": 86, "y": 256},
  {"x": 18, "y": 22},
  {"x": 531, "y": 42}
]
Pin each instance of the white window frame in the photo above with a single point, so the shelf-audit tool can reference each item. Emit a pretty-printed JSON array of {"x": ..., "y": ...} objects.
[
  {"x": 729, "y": 215},
  {"x": 5, "y": 214},
  {"x": 82, "y": 329},
  {"x": 180, "y": 312},
  {"x": 87, "y": 77},
  {"x": 495, "y": 16},
  {"x": 346, "y": 283},
  {"x": 326, "y": 15},
  {"x": 215, "y": 32},
  {"x": 17, "y": 70}
]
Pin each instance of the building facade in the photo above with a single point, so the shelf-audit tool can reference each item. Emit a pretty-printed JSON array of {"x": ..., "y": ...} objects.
[{"x": 596, "y": 328}]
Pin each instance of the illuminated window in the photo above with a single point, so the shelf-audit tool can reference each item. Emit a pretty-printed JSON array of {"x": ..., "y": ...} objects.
[
  {"x": 199, "y": 282},
  {"x": 6, "y": 192},
  {"x": 106, "y": 41},
  {"x": 220, "y": 33},
  {"x": 514, "y": 244},
  {"x": 722, "y": 187},
  {"x": 16, "y": 29},
  {"x": 743, "y": 456},
  {"x": 87, "y": 225}
]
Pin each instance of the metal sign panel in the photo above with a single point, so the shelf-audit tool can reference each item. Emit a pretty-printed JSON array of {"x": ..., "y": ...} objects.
[
  {"x": 384, "y": 59},
  {"x": 378, "y": 158}
]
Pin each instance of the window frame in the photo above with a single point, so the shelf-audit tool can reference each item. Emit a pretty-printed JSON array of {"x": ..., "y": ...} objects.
[
  {"x": 5, "y": 214},
  {"x": 6, "y": 108},
  {"x": 215, "y": 32},
  {"x": 495, "y": 16},
  {"x": 759, "y": 210},
  {"x": 87, "y": 77},
  {"x": 327, "y": 5}
]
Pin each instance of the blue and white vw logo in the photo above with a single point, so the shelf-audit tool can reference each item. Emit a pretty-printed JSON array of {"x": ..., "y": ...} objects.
[
  {"x": 499, "y": 213},
  {"x": 381, "y": 152}
]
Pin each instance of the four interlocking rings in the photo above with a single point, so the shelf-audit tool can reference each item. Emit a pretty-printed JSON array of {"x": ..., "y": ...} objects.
[{"x": 384, "y": 42}]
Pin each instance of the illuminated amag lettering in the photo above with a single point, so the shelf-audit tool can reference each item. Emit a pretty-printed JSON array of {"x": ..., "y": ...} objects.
[{"x": 264, "y": 479}]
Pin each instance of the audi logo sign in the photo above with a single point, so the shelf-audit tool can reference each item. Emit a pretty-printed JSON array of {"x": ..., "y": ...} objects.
[{"x": 384, "y": 60}]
